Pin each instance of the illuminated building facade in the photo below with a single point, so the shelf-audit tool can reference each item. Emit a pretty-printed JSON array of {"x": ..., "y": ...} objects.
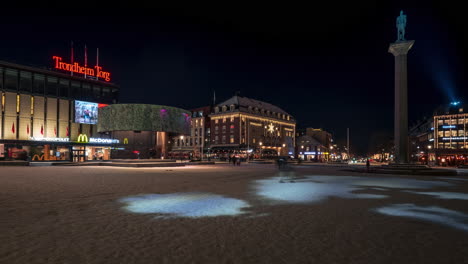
[
  {"x": 242, "y": 125},
  {"x": 196, "y": 145},
  {"x": 314, "y": 144},
  {"x": 450, "y": 137},
  {"x": 49, "y": 115},
  {"x": 143, "y": 130}
]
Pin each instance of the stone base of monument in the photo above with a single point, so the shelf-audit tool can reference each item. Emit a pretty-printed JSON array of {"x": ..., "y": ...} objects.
[{"x": 408, "y": 169}]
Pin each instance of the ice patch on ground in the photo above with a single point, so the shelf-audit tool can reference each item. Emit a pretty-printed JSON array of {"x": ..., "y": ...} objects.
[
  {"x": 433, "y": 214},
  {"x": 319, "y": 187},
  {"x": 191, "y": 205},
  {"x": 444, "y": 195},
  {"x": 306, "y": 190}
]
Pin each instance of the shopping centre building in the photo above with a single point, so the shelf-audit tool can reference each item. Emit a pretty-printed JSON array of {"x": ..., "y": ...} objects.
[{"x": 52, "y": 114}]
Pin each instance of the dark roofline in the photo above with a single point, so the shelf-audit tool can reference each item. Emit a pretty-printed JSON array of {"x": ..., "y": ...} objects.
[
  {"x": 255, "y": 100},
  {"x": 54, "y": 73}
]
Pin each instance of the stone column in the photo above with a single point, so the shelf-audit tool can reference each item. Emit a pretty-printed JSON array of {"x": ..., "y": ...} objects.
[{"x": 400, "y": 50}]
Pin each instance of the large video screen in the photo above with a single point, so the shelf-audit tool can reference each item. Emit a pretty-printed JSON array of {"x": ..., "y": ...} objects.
[{"x": 86, "y": 112}]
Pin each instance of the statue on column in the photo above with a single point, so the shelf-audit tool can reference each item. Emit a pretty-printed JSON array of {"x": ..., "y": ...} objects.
[{"x": 401, "y": 24}]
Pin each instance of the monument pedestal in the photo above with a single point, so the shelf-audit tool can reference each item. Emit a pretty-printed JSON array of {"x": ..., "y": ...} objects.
[{"x": 400, "y": 50}]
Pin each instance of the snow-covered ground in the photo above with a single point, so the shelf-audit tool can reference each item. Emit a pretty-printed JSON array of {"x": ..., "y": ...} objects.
[{"x": 227, "y": 214}]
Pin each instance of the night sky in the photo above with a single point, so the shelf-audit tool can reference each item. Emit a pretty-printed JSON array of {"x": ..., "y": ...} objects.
[{"x": 327, "y": 65}]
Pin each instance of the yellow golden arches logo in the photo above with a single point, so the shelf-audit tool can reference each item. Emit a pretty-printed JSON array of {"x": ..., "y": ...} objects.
[
  {"x": 125, "y": 141},
  {"x": 82, "y": 138}
]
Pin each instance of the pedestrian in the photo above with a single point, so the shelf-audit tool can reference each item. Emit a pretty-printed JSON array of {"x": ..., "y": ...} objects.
[
  {"x": 238, "y": 161},
  {"x": 234, "y": 160},
  {"x": 367, "y": 165}
]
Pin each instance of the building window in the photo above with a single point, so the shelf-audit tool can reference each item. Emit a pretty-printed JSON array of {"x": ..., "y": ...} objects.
[
  {"x": 224, "y": 120},
  {"x": 223, "y": 139},
  {"x": 216, "y": 109},
  {"x": 231, "y": 139},
  {"x": 232, "y": 119},
  {"x": 87, "y": 92},
  {"x": 232, "y": 107},
  {"x": 216, "y": 129},
  {"x": 38, "y": 84},
  {"x": 196, "y": 132},
  {"x": 232, "y": 129},
  {"x": 224, "y": 108},
  {"x": 52, "y": 86},
  {"x": 25, "y": 81},
  {"x": 253, "y": 140},
  {"x": 1, "y": 78},
  {"x": 11, "y": 79},
  {"x": 224, "y": 129},
  {"x": 96, "y": 91},
  {"x": 75, "y": 89},
  {"x": 216, "y": 121},
  {"x": 216, "y": 139},
  {"x": 63, "y": 87}
]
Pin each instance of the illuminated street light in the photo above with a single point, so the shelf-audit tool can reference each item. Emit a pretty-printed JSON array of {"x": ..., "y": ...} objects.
[
  {"x": 260, "y": 143},
  {"x": 284, "y": 145}
]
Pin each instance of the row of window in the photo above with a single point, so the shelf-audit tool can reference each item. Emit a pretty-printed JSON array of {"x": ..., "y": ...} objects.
[
  {"x": 456, "y": 121},
  {"x": 451, "y": 133},
  {"x": 40, "y": 84},
  {"x": 256, "y": 110},
  {"x": 452, "y": 145},
  {"x": 231, "y": 129},
  {"x": 197, "y": 123},
  {"x": 223, "y": 139},
  {"x": 224, "y": 120}
]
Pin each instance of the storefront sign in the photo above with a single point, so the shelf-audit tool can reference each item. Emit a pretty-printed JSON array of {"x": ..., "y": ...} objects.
[
  {"x": 82, "y": 138},
  {"x": 55, "y": 139},
  {"x": 96, "y": 71},
  {"x": 451, "y": 126},
  {"x": 454, "y": 138},
  {"x": 104, "y": 140}
]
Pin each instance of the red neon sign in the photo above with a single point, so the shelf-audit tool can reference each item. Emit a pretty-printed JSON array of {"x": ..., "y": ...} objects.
[{"x": 75, "y": 67}]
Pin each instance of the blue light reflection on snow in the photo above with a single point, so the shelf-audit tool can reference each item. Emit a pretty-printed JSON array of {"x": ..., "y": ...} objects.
[
  {"x": 306, "y": 190},
  {"x": 445, "y": 195},
  {"x": 430, "y": 213},
  {"x": 319, "y": 187},
  {"x": 191, "y": 205}
]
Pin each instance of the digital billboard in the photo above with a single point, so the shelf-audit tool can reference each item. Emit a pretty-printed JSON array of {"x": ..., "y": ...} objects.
[{"x": 86, "y": 112}]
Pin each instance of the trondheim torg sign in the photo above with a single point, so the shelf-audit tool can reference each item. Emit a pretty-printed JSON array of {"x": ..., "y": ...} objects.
[{"x": 91, "y": 140}]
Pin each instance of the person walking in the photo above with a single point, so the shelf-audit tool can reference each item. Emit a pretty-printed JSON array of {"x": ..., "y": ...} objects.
[
  {"x": 367, "y": 164},
  {"x": 234, "y": 160}
]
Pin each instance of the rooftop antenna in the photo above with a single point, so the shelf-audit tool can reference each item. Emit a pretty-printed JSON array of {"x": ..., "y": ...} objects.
[
  {"x": 97, "y": 61},
  {"x": 214, "y": 97},
  {"x": 71, "y": 72},
  {"x": 85, "y": 59}
]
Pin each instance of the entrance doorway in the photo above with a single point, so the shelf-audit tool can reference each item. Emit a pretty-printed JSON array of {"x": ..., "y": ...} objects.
[{"x": 79, "y": 154}]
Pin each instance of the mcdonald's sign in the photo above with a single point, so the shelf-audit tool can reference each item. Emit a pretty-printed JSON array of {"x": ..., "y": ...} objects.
[
  {"x": 82, "y": 138},
  {"x": 125, "y": 141}
]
